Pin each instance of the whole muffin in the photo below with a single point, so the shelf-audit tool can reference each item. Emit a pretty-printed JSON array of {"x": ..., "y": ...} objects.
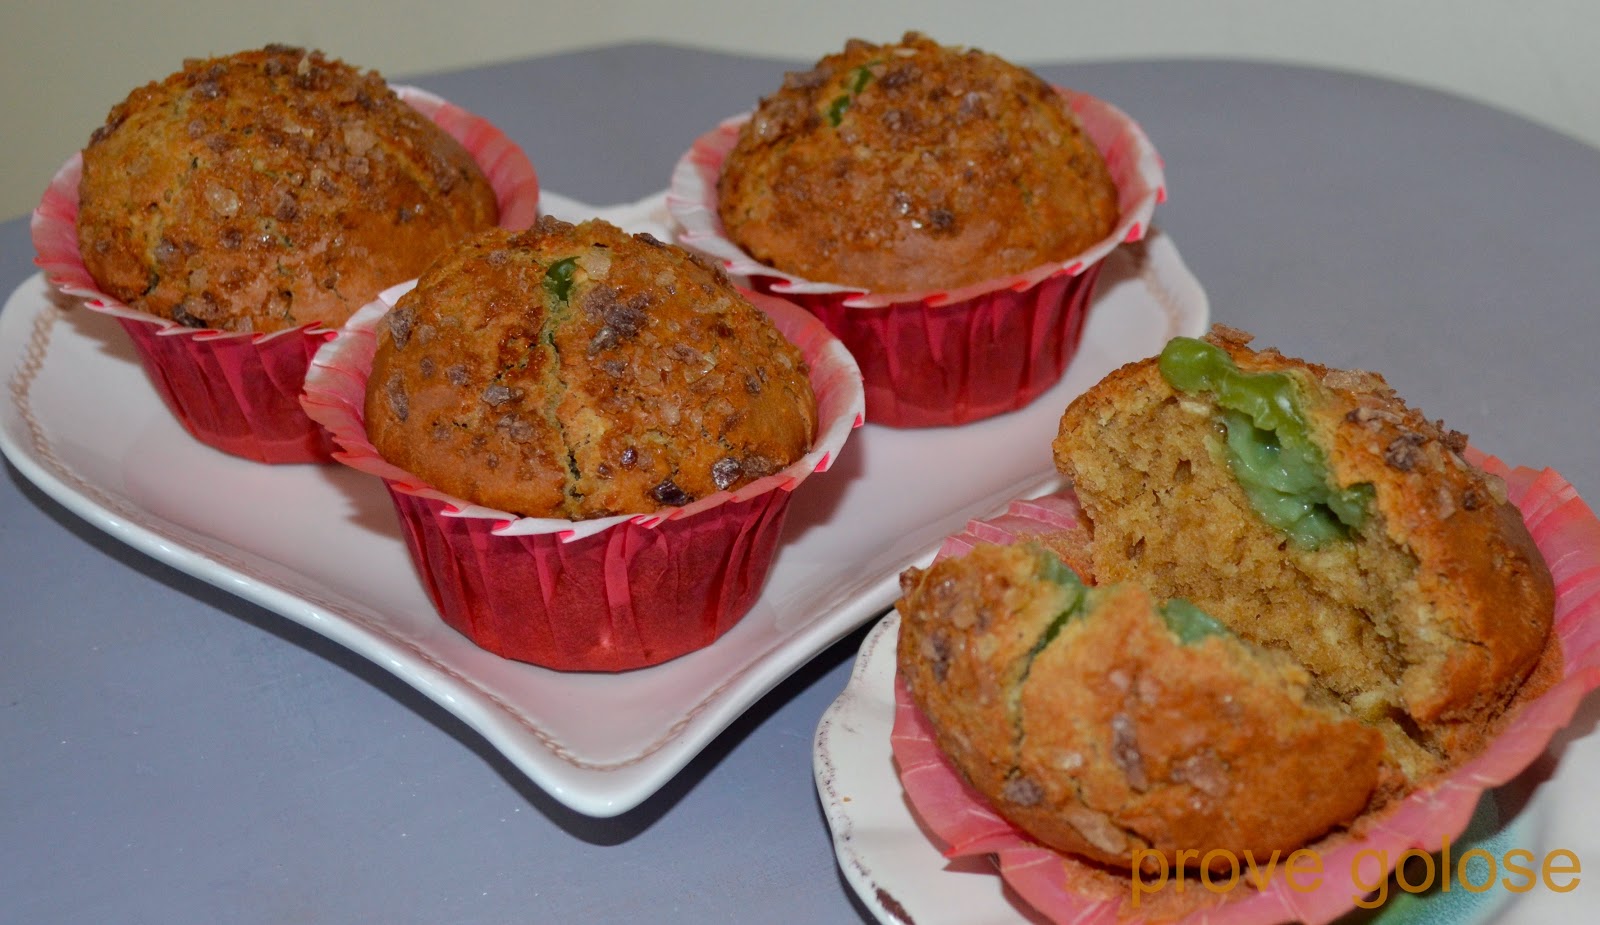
[
  {"x": 578, "y": 372},
  {"x": 1311, "y": 510},
  {"x": 1104, "y": 724},
  {"x": 270, "y": 189},
  {"x": 911, "y": 167}
]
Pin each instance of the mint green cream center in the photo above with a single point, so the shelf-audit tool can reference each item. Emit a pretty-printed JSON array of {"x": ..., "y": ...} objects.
[
  {"x": 1186, "y": 621},
  {"x": 1189, "y": 623},
  {"x": 558, "y": 279},
  {"x": 859, "y": 79},
  {"x": 1052, "y": 569},
  {"x": 1281, "y": 469}
]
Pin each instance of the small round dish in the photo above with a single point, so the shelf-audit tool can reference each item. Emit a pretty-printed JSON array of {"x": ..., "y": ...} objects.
[
  {"x": 900, "y": 875},
  {"x": 895, "y": 806}
]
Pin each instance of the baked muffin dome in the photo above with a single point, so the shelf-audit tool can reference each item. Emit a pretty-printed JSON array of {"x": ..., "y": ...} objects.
[
  {"x": 578, "y": 372},
  {"x": 1104, "y": 723},
  {"x": 1312, "y": 511},
  {"x": 270, "y": 189},
  {"x": 912, "y": 166}
]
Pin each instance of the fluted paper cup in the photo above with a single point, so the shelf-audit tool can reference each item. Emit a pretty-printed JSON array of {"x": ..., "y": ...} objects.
[{"x": 607, "y": 594}]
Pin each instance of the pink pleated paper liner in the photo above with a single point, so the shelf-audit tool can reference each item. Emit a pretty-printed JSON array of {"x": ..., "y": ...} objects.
[
  {"x": 931, "y": 365},
  {"x": 239, "y": 391},
  {"x": 940, "y": 358},
  {"x": 1065, "y": 889},
  {"x": 608, "y": 594}
]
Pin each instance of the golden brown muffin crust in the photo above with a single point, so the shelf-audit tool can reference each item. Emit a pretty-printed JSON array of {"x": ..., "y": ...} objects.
[
  {"x": 1108, "y": 734},
  {"x": 270, "y": 189},
  {"x": 577, "y": 372},
  {"x": 913, "y": 166}
]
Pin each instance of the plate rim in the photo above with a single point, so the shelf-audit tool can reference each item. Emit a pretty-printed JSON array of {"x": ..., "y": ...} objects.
[
  {"x": 458, "y": 694},
  {"x": 25, "y": 337},
  {"x": 863, "y": 693}
]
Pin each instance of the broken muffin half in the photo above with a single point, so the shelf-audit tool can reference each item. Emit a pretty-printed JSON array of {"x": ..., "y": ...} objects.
[
  {"x": 1302, "y": 600},
  {"x": 1104, "y": 722}
]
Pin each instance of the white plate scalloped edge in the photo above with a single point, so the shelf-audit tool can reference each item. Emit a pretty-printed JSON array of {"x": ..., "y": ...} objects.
[{"x": 341, "y": 568}]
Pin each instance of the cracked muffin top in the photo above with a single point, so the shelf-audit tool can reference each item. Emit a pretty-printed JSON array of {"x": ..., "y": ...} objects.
[
  {"x": 577, "y": 372},
  {"x": 914, "y": 166},
  {"x": 1110, "y": 725},
  {"x": 270, "y": 189}
]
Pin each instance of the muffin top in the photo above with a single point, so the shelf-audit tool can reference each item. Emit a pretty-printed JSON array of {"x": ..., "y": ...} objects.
[
  {"x": 1108, "y": 724},
  {"x": 577, "y": 372},
  {"x": 911, "y": 167},
  {"x": 270, "y": 189}
]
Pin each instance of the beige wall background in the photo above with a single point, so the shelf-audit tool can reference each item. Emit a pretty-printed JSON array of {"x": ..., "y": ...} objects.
[{"x": 64, "y": 63}]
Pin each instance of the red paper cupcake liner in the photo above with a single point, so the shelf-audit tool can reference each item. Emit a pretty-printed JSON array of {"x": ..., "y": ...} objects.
[
  {"x": 599, "y": 606},
  {"x": 240, "y": 392},
  {"x": 608, "y": 594},
  {"x": 942, "y": 358},
  {"x": 929, "y": 365},
  {"x": 1065, "y": 889}
]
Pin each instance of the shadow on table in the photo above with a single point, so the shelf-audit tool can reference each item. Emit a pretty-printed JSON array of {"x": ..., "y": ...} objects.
[{"x": 600, "y": 832}]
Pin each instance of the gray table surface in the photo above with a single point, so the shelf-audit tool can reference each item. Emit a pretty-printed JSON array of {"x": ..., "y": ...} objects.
[{"x": 172, "y": 754}]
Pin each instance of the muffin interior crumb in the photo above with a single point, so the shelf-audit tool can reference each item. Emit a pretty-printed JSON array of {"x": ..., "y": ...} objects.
[{"x": 1174, "y": 518}]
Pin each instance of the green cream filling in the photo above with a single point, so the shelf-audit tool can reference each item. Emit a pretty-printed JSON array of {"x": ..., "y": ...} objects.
[
  {"x": 1281, "y": 469},
  {"x": 558, "y": 279},
  {"x": 859, "y": 79},
  {"x": 1186, "y": 621},
  {"x": 1189, "y": 623},
  {"x": 1054, "y": 570}
]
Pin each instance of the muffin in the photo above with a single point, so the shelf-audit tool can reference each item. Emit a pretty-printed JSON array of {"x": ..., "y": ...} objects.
[
  {"x": 1306, "y": 603},
  {"x": 590, "y": 439},
  {"x": 944, "y": 213},
  {"x": 1312, "y": 511},
  {"x": 270, "y": 189},
  {"x": 911, "y": 166},
  {"x": 268, "y": 262},
  {"x": 1402, "y": 816},
  {"x": 577, "y": 372},
  {"x": 1105, "y": 723}
]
